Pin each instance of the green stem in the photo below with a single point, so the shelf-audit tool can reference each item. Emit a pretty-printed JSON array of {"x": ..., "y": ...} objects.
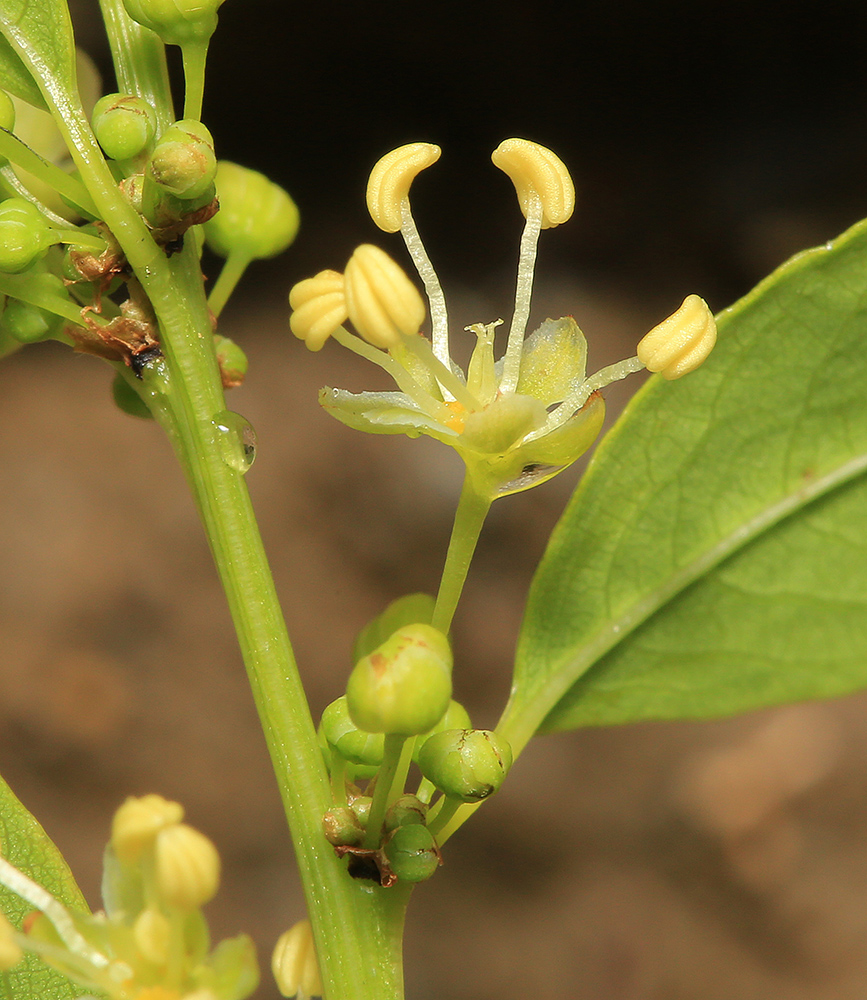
[
  {"x": 357, "y": 927},
  {"x": 383, "y": 793},
  {"x": 14, "y": 150},
  {"x": 469, "y": 518},
  {"x": 139, "y": 61},
  {"x": 195, "y": 56},
  {"x": 445, "y": 811},
  {"x": 236, "y": 264}
]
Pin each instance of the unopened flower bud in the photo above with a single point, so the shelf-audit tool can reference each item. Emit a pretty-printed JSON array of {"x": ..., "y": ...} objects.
[
  {"x": 176, "y": 21},
  {"x": 124, "y": 125},
  {"x": 294, "y": 963},
  {"x": 391, "y": 178},
  {"x": 232, "y": 361},
  {"x": 412, "y": 853},
  {"x": 404, "y": 686},
  {"x": 153, "y": 933},
  {"x": 535, "y": 170},
  {"x": 341, "y": 827},
  {"x": 257, "y": 218},
  {"x": 10, "y": 951},
  {"x": 319, "y": 308},
  {"x": 383, "y": 304},
  {"x": 466, "y": 764},
  {"x": 187, "y": 867},
  {"x": 346, "y": 739},
  {"x": 25, "y": 235},
  {"x": 183, "y": 162},
  {"x": 679, "y": 344},
  {"x": 28, "y": 323},
  {"x": 137, "y": 822},
  {"x": 406, "y": 810},
  {"x": 360, "y": 805},
  {"x": 456, "y": 717}
]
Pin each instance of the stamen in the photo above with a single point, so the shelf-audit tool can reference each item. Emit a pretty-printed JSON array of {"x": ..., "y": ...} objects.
[
  {"x": 438, "y": 314},
  {"x": 56, "y": 912},
  {"x": 575, "y": 400},
  {"x": 406, "y": 383},
  {"x": 442, "y": 373},
  {"x": 523, "y": 293}
]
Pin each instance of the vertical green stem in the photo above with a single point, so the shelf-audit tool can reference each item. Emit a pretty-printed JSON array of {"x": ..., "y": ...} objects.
[
  {"x": 195, "y": 55},
  {"x": 357, "y": 926},
  {"x": 383, "y": 793},
  {"x": 472, "y": 509}
]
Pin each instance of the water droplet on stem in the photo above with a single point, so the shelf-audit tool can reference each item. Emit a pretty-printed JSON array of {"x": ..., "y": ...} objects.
[{"x": 236, "y": 440}]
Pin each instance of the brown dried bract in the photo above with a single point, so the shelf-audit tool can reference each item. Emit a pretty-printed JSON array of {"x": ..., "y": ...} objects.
[{"x": 125, "y": 338}]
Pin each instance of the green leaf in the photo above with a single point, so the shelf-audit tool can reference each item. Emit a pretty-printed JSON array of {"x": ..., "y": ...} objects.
[
  {"x": 27, "y": 846},
  {"x": 713, "y": 560},
  {"x": 39, "y": 34},
  {"x": 15, "y": 78}
]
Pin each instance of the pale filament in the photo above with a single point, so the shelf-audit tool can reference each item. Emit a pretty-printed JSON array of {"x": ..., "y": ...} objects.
[
  {"x": 405, "y": 382},
  {"x": 438, "y": 315},
  {"x": 523, "y": 294},
  {"x": 576, "y": 399}
]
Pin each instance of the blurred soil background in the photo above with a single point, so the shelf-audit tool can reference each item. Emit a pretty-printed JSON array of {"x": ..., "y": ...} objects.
[{"x": 666, "y": 861}]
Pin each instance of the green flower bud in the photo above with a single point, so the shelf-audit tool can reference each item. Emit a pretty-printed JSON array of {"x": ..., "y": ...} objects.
[
  {"x": 347, "y": 740},
  {"x": 456, "y": 717},
  {"x": 404, "y": 686},
  {"x": 128, "y": 400},
  {"x": 407, "y": 810},
  {"x": 406, "y": 610},
  {"x": 25, "y": 235},
  {"x": 183, "y": 162},
  {"x": 360, "y": 805},
  {"x": 176, "y": 21},
  {"x": 232, "y": 361},
  {"x": 466, "y": 764},
  {"x": 341, "y": 827},
  {"x": 257, "y": 218},
  {"x": 412, "y": 853},
  {"x": 27, "y": 323},
  {"x": 124, "y": 125}
]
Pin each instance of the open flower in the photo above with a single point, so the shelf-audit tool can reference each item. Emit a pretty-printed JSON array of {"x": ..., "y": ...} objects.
[{"x": 516, "y": 421}]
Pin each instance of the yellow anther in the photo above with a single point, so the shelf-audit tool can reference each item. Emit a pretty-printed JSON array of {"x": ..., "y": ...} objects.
[
  {"x": 319, "y": 308},
  {"x": 152, "y": 933},
  {"x": 138, "y": 821},
  {"x": 533, "y": 169},
  {"x": 294, "y": 962},
  {"x": 383, "y": 304},
  {"x": 187, "y": 867},
  {"x": 679, "y": 344},
  {"x": 391, "y": 178}
]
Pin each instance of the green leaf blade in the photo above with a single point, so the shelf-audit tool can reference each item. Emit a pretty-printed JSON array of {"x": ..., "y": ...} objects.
[
  {"x": 719, "y": 466},
  {"x": 27, "y": 846},
  {"x": 40, "y": 41}
]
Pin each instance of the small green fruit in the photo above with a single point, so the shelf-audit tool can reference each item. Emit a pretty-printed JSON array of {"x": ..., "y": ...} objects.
[
  {"x": 456, "y": 717},
  {"x": 466, "y": 764},
  {"x": 404, "y": 686},
  {"x": 412, "y": 853}
]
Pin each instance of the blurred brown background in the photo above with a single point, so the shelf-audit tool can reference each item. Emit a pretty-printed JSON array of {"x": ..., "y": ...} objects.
[{"x": 667, "y": 861}]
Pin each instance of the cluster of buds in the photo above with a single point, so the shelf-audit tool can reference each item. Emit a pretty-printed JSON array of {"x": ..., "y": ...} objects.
[
  {"x": 397, "y": 711},
  {"x": 70, "y": 282},
  {"x": 152, "y": 939},
  {"x": 516, "y": 421}
]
